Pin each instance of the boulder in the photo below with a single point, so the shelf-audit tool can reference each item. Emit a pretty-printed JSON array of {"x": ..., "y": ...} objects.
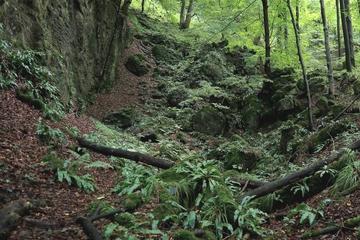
[
  {"x": 209, "y": 120},
  {"x": 136, "y": 64},
  {"x": 242, "y": 158},
  {"x": 176, "y": 95},
  {"x": 122, "y": 119}
]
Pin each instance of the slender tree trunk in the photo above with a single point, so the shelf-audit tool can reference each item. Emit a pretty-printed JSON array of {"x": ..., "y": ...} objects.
[
  {"x": 267, "y": 37},
  {"x": 297, "y": 9},
  {"x": 358, "y": 3},
  {"x": 189, "y": 15},
  {"x": 346, "y": 36},
  {"x": 142, "y": 6},
  {"x": 350, "y": 31},
  {"x": 338, "y": 27},
  {"x": 301, "y": 60},
  {"x": 182, "y": 13},
  {"x": 327, "y": 49}
]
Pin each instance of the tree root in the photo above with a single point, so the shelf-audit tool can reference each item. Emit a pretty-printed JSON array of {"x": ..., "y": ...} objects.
[
  {"x": 87, "y": 223},
  {"x": 348, "y": 224}
]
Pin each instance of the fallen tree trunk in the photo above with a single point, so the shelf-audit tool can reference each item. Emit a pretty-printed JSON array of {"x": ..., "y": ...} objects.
[
  {"x": 350, "y": 223},
  {"x": 10, "y": 216},
  {"x": 135, "y": 156},
  {"x": 296, "y": 176}
]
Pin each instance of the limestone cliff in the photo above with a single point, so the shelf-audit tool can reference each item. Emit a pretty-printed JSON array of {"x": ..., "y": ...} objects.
[{"x": 82, "y": 39}]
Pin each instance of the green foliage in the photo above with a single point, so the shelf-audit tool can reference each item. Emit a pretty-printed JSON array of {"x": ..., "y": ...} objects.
[
  {"x": 302, "y": 188},
  {"x": 25, "y": 68},
  {"x": 306, "y": 213},
  {"x": 249, "y": 218},
  {"x": 68, "y": 170},
  {"x": 49, "y": 135},
  {"x": 348, "y": 177}
]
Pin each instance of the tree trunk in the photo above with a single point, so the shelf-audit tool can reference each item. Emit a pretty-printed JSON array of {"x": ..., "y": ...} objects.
[
  {"x": 267, "y": 37},
  {"x": 327, "y": 49},
  {"x": 338, "y": 27},
  {"x": 142, "y": 6},
  {"x": 301, "y": 60},
  {"x": 297, "y": 10},
  {"x": 135, "y": 156},
  {"x": 358, "y": 3},
  {"x": 350, "y": 31},
  {"x": 189, "y": 15},
  {"x": 346, "y": 36},
  {"x": 182, "y": 13},
  {"x": 296, "y": 176}
]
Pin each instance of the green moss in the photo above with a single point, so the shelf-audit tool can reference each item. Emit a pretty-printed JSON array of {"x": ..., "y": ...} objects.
[
  {"x": 133, "y": 201},
  {"x": 125, "y": 219},
  {"x": 136, "y": 64},
  {"x": 210, "y": 121},
  {"x": 165, "y": 54},
  {"x": 184, "y": 235},
  {"x": 245, "y": 158}
]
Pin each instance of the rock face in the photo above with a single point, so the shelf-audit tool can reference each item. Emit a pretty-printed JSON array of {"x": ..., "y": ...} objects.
[
  {"x": 77, "y": 37},
  {"x": 209, "y": 120}
]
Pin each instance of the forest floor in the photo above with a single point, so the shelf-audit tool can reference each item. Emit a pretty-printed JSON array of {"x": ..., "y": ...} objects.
[{"x": 25, "y": 176}]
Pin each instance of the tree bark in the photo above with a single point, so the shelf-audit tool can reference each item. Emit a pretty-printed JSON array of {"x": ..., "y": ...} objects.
[
  {"x": 349, "y": 223},
  {"x": 350, "y": 31},
  {"x": 142, "y": 6},
  {"x": 189, "y": 15},
  {"x": 346, "y": 36},
  {"x": 327, "y": 49},
  {"x": 297, "y": 13},
  {"x": 301, "y": 60},
  {"x": 267, "y": 37},
  {"x": 182, "y": 13},
  {"x": 338, "y": 27},
  {"x": 135, "y": 156},
  {"x": 296, "y": 176}
]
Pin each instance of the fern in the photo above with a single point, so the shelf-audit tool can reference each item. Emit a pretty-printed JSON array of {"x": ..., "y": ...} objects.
[{"x": 99, "y": 164}]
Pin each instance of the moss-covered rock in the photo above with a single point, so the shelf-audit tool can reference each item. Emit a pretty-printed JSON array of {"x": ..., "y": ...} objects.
[
  {"x": 133, "y": 201},
  {"x": 165, "y": 54},
  {"x": 122, "y": 119},
  {"x": 184, "y": 235},
  {"x": 136, "y": 64},
  {"x": 75, "y": 36},
  {"x": 318, "y": 138},
  {"x": 125, "y": 219},
  {"x": 245, "y": 158},
  {"x": 210, "y": 121},
  {"x": 176, "y": 95}
]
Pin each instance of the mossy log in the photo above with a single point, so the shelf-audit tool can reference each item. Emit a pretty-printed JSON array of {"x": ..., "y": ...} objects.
[
  {"x": 135, "y": 156},
  {"x": 350, "y": 223},
  {"x": 296, "y": 176},
  {"x": 10, "y": 216}
]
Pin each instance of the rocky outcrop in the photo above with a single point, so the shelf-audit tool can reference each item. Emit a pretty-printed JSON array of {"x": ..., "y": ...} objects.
[{"x": 82, "y": 39}]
